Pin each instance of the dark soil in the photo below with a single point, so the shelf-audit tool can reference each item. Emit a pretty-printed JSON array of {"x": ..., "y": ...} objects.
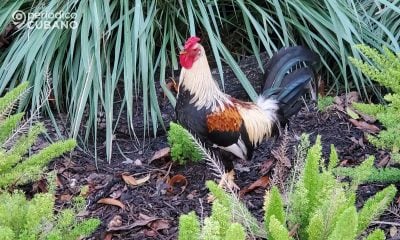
[
  {"x": 152, "y": 209},
  {"x": 153, "y": 200}
]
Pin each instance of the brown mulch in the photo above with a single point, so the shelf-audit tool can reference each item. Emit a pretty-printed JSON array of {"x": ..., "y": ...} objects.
[
  {"x": 150, "y": 210},
  {"x": 137, "y": 197}
]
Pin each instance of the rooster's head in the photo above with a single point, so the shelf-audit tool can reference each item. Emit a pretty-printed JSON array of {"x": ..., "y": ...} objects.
[{"x": 191, "y": 52}]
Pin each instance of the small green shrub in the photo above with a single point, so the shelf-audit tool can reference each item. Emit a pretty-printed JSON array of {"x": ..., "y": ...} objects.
[
  {"x": 21, "y": 218},
  {"x": 324, "y": 102},
  {"x": 15, "y": 167},
  {"x": 385, "y": 69},
  {"x": 320, "y": 205},
  {"x": 35, "y": 218},
  {"x": 182, "y": 146},
  {"x": 219, "y": 225},
  {"x": 367, "y": 173}
]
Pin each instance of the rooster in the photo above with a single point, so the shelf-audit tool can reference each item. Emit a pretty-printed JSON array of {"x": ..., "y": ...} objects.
[{"x": 234, "y": 127}]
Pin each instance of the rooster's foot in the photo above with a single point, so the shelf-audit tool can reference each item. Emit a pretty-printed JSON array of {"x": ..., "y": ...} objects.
[{"x": 227, "y": 182}]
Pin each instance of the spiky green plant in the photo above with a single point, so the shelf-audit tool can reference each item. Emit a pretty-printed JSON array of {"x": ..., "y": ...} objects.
[
  {"x": 136, "y": 42},
  {"x": 324, "y": 102},
  {"x": 383, "y": 67},
  {"x": 33, "y": 218},
  {"x": 15, "y": 167},
  {"x": 320, "y": 206}
]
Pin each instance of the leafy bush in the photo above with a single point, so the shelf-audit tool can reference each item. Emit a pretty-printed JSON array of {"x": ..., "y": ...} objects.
[
  {"x": 383, "y": 67},
  {"x": 320, "y": 206},
  {"x": 122, "y": 39},
  {"x": 182, "y": 146},
  {"x": 21, "y": 218}
]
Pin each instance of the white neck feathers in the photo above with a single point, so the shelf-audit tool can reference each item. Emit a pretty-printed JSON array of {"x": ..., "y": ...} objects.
[{"x": 200, "y": 83}]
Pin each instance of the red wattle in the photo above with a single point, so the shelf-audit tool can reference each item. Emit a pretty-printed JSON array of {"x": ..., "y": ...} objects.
[{"x": 186, "y": 61}]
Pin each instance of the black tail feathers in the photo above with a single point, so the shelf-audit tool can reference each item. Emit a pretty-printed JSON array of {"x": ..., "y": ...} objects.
[{"x": 288, "y": 74}]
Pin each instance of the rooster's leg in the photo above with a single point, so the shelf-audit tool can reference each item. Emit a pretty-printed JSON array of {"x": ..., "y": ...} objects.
[{"x": 228, "y": 181}]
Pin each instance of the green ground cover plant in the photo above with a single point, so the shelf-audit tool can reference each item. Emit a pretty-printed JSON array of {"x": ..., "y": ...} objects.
[{"x": 20, "y": 217}]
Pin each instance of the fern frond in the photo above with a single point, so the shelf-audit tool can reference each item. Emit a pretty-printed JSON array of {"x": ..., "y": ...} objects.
[{"x": 11, "y": 99}]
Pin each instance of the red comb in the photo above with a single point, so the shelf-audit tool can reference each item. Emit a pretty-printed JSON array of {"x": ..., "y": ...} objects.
[{"x": 191, "y": 41}]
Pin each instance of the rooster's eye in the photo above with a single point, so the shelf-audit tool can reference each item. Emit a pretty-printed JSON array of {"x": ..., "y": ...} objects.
[{"x": 198, "y": 51}]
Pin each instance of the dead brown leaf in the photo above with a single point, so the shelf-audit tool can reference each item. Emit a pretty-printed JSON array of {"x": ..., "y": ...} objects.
[
  {"x": 384, "y": 161},
  {"x": 393, "y": 231},
  {"x": 352, "y": 97},
  {"x": 359, "y": 141},
  {"x": 111, "y": 201},
  {"x": 142, "y": 180},
  {"x": 116, "y": 221},
  {"x": 137, "y": 223},
  {"x": 58, "y": 182},
  {"x": 130, "y": 180},
  {"x": 162, "y": 153},
  {"x": 266, "y": 166},
  {"x": 338, "y": 100},
  {"x": 172, "y": 86},
  {"x": 351, "y": 113},
  {"x": 117, "y": 194},
  {"x": 150, "y": 233},
  {"x": 293, "y": 231},
  {"x": 366, "y": 117},
  {"x": 344, "y": 163},
  {"x": 364, "y": 126},
  {"x": 261, "y": 182},
  {"x": 40, "y": 186},
  {"x": 177, "y": 180},
  {"x": 160, "y": 224},
  {"x": 108, "y": 236},
  {"x": 321, "y": 87},
  {"x": 65, "y": 197},
  {"x": 85, "y": 191}
]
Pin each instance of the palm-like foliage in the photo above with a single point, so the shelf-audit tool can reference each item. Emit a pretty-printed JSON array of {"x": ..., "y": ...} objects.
[{"x": 136, "y": 42}]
